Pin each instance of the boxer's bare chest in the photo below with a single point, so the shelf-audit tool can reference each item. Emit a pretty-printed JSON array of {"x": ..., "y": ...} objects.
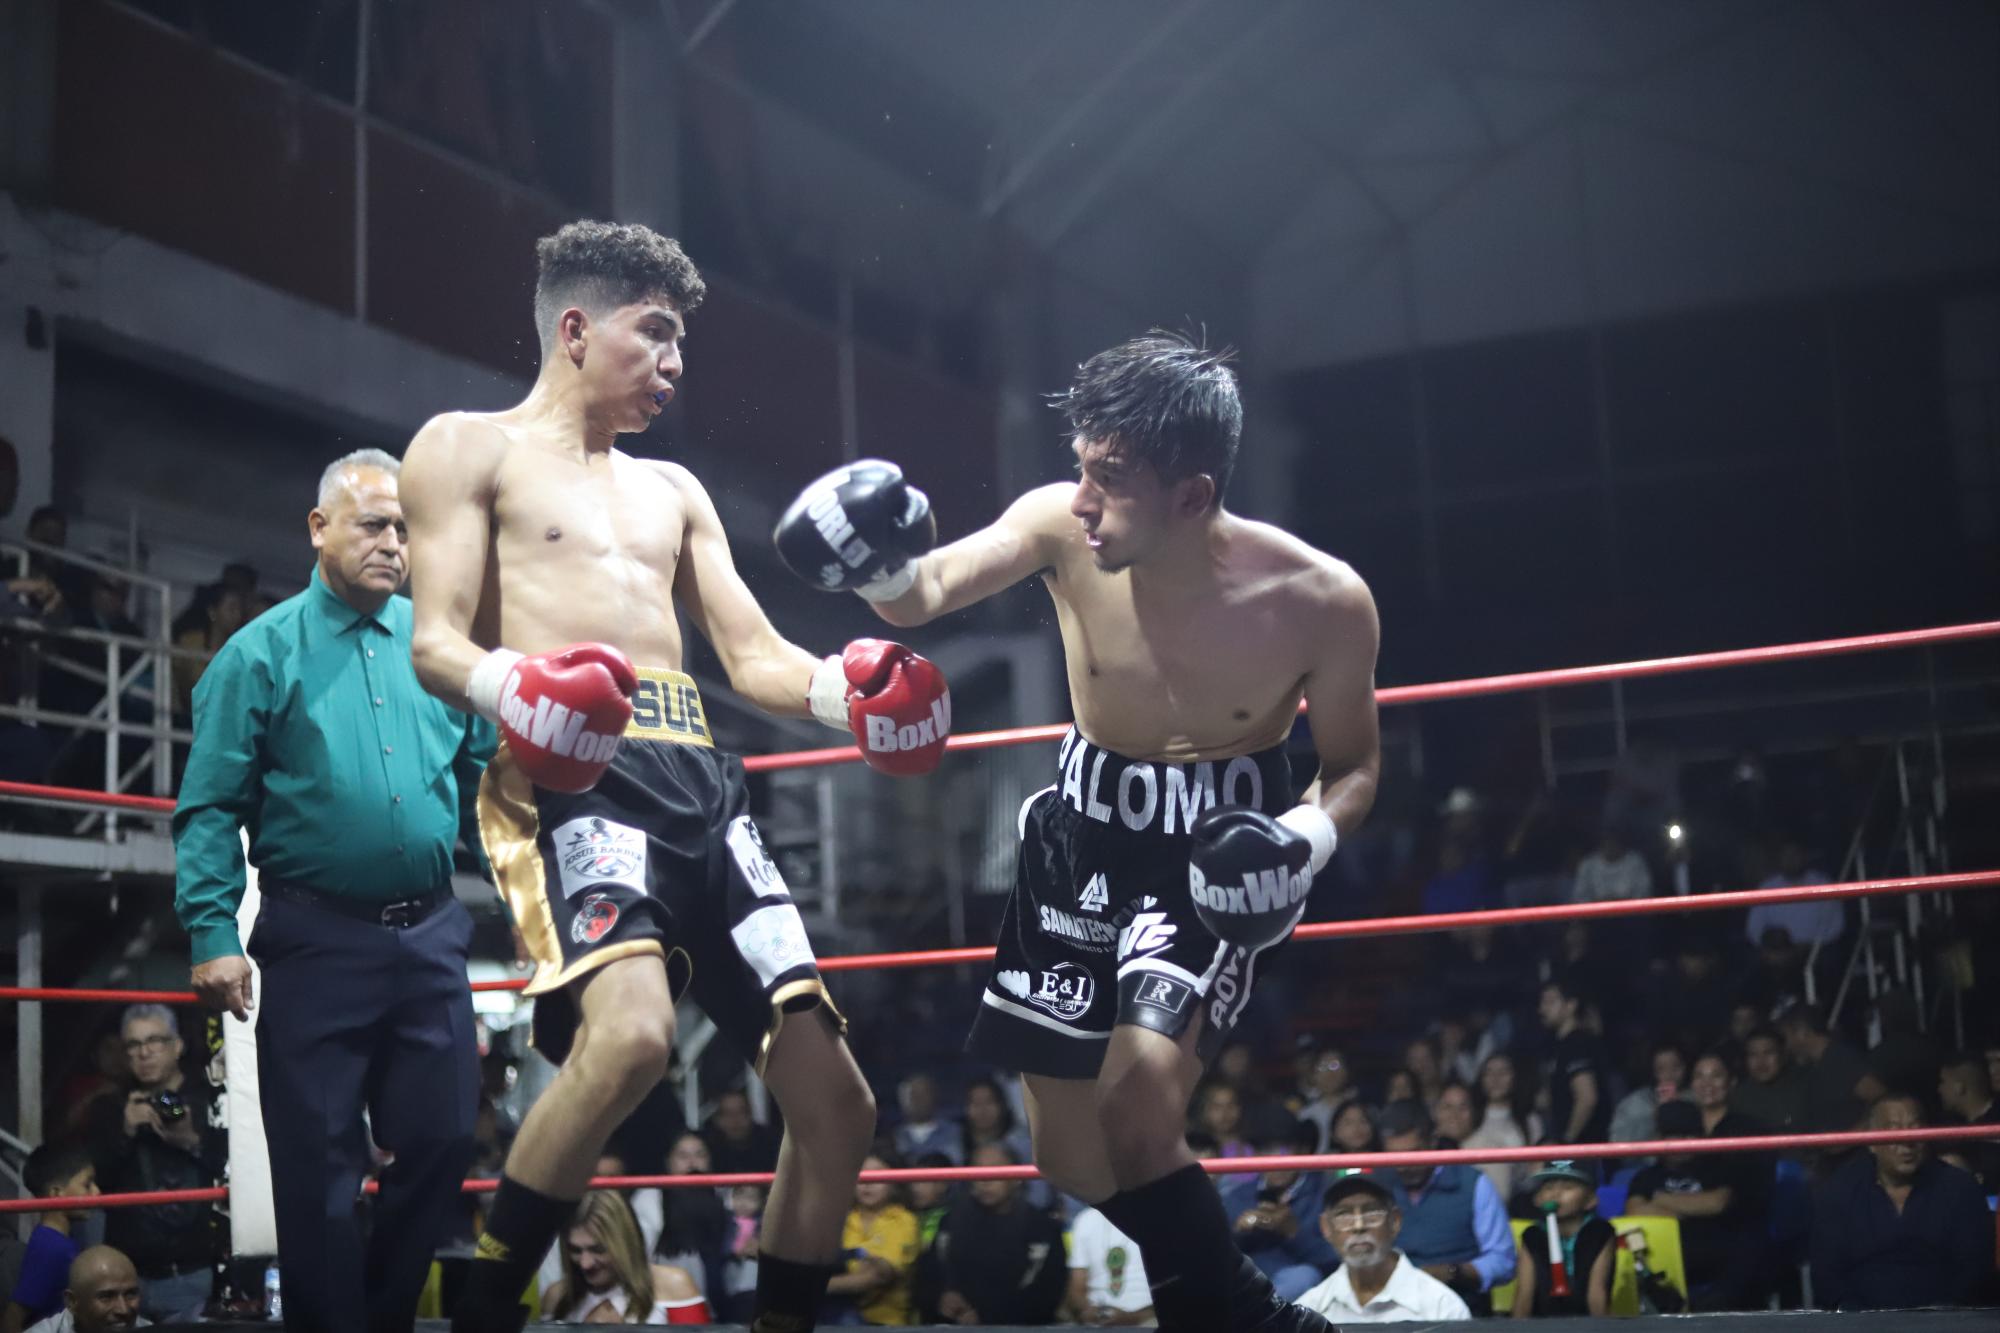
[
  {"x": 587, "y": 549},
  {"x": 1180, "y": 677}
]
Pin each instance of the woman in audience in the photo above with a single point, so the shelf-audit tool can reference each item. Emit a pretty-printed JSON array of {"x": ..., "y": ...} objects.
[
  {"x": 1507, "y": 1119},
  {"x": 1219, "y": 1111},
  {"x": 1462, "y": 1044},
  {"x": 1635, "y": 1118},
  {"x": 605, "y": 1276},
  {"x": 989, "y": 1119},
  {"x": 1723, "y": 1200},
  {"x": 216, "y": 613},
  {"x": 1327, "y": 1085},
  {"x": 1354, "y": 1128},
  {"x": 880, "y": 1242},
  {"x": 1455, "y": 1113},
  {"x": 696, "y": 1228},
  {"x": 1425, "y": 1065}
]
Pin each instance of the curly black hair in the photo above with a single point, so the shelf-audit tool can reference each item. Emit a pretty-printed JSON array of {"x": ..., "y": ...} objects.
[{"x": 600, "y": 266}]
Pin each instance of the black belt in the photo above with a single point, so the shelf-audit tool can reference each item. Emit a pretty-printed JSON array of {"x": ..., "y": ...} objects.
[{"x": 402, "y": 913}]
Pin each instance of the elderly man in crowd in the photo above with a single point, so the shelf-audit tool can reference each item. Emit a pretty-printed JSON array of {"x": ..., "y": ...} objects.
[
  {"x": 310, "y": 730},
  {"x": 102, "y": 1295},
  {"x": 1894, "y": 1228},
  {"x": 1376, "y": 1283},
  {"x": 153, "y": 1139}
]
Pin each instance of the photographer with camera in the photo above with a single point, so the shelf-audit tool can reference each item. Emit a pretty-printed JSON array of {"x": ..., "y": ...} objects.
[{"x": 155, "y": 1138}]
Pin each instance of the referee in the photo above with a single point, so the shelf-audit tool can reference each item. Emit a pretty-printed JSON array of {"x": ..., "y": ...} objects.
[{"x": 311, "y": 731}]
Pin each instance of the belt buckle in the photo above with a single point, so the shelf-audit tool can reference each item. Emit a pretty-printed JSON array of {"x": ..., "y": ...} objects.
[{"x": 403, "y": 914}]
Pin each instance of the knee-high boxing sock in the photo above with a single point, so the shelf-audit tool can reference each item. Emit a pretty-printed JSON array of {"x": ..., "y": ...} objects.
[
  {"x": 789, "y": 1294},
  {"x": 1185, "y": 1239},
  {"x": 520, "y": 1224},
  {"x": 1246, "y": 1292}
]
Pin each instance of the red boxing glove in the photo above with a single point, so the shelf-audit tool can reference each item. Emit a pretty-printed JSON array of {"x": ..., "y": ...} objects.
[
  {"x": 562, "y": 713},
  {"x": 895, "y": 702}
]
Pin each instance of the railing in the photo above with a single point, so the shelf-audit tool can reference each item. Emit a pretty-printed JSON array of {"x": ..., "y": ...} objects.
[
  {"x": 136, "y": 669},
  {"x": 1912, "y": 841}
]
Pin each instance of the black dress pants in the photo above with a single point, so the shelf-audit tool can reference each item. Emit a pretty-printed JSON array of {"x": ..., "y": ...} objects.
[{"x": 357, "y": 1014}]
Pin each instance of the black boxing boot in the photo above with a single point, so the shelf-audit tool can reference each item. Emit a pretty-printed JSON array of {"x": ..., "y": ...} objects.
[
  {"x": 1254, "y": 1306},
  {"x": 521, "y": 1223}
]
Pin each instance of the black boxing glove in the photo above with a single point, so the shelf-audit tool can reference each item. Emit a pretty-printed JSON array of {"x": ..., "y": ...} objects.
[
  {"x": 1249, "y": 873},
  {"x": 860, "y": 528}
]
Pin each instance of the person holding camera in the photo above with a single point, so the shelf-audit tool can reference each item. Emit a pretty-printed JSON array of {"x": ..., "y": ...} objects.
[{"x": 155, "y": 1138}]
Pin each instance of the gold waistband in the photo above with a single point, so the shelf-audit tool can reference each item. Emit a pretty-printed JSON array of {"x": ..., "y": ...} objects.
[{"x": 667, "y": 707}]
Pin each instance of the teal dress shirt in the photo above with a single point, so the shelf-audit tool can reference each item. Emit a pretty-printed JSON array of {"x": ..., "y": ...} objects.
[{"x": 311, "y": 731}]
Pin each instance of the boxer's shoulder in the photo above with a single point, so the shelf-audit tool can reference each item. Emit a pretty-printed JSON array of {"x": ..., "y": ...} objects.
[
  {"x": 1042, "y": 515},
  {"x": 685, "y": 495},
  {"x": 1044, "y": 512},
  {"x": 468, "y": 431},
  {"x": 1290, "y": 568},
  {"x": 673, "y": 474}
]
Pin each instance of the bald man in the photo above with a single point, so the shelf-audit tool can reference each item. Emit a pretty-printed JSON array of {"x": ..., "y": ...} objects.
[{"x": 103, "y": 1293}]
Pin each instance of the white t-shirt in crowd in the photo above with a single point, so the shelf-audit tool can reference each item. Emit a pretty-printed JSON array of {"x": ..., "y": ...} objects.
[
  {"x": 1117, "y": 1279},
  {"x": 1599, "y": 879},
  {"x": 1410, "y": 1294}
]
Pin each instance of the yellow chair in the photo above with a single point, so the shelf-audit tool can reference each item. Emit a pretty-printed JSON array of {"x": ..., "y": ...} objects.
[{"x": 1663, "y": 1255}]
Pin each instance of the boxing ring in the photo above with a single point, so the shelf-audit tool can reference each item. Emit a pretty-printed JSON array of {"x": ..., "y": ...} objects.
[{"x": 1941, "y": 1321}]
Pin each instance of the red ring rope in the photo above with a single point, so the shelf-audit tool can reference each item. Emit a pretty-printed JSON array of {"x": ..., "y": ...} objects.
[
  {"x": 1220, "y": 1166},
  {"x": 1319, "y": 930},
  {"x": 1395, "y": 694}
]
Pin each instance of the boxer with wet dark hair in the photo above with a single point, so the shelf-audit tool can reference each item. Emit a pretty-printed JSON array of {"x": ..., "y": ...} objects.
[{"x": 1168, "y": 858}]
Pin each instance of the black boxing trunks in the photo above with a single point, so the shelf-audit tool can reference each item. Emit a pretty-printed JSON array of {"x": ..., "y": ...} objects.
[
  {"x": 659, "y": 859},
  {"x": 1101, "y": 929}
]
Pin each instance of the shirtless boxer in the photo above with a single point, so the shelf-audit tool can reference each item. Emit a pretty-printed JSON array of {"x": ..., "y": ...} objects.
[
  {"x": 630, "y": 866},
  {"x": 1168, "y": 856}
]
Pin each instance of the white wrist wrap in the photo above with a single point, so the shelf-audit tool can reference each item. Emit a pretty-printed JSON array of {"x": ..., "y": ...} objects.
[
  {"x": 482, "y": 688},
  {"x": 1316, "y": 827},
  {"x": 828, "y": 693},
  {"x": 889, "y": 584}
]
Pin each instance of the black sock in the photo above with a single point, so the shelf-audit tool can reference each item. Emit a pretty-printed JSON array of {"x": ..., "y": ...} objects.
[
  {"x": 520, "y": 1224},
  {"x": 1189, "y": 1249},
  {"x": 1118, "y": 1210},
  {"x": 789, "y": 1294}
]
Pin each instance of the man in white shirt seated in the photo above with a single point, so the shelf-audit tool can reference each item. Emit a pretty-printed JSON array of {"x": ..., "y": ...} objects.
[
  {"x": 103, "y": 1294},
  {"x": 1374, "y": 1283},
  {"x": 1107, "y": 1283}
]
